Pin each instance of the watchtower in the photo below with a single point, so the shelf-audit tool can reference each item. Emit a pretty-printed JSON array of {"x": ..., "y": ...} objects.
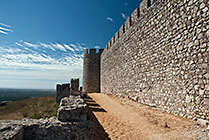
[{"x": 91, "y": 71}]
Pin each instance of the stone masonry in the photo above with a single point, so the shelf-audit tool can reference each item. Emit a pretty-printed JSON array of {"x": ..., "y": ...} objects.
[
  {"x": 74, "y": 84},
  {"x": 65, "y": 90},
  {"x": 160, "y": 57},
  {"x": 71, "y": 124},
  {"x": 62, "y": 91},
  {"x": 91, "y": 71}
]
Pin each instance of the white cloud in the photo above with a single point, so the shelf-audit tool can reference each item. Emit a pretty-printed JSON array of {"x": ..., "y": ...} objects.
[
  {"x": 123, "y": 16},
  {"x": 97, "y": 47},
  {"x": 2, "y": 32},
  {"x": 110, "y": 19},
  {"x": 59, "y": 46},
  {"x": 39, "y": 61},
  {"x": 18, "y": 44},
  {"x": 68, "y": 47},
  {"x": 126, "y": 4},
  {"x": 4, "y": 29},
  {"x": 5, "y": 25},
  {"x": 31, "y": 45}
]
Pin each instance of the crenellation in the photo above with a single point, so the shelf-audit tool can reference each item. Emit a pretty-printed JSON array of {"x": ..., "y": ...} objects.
[
  {"x": 121, "y": 31},
  {"x": 113, "y": 40},
  {"x": 118, "y": 35},
  {"x": 110, "y": 43},
  {"x": 144, "y": 5},
  {"x": 86, "y": 52},
  {"x": 100, "y": 51},
  {"x": 92, "y": 51},
  {"x": 91, "y": 72},
  {"x": 135, "y": 16},
  {"x": 127, "y": 24},
  {"x": 162, "y": 60},
  {"x": 107, "y": 47}
]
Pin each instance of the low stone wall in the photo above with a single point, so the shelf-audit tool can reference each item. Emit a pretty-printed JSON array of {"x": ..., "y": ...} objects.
[
  {"x": 71, "y": 124},
  {"x": 49, "y": 129}
]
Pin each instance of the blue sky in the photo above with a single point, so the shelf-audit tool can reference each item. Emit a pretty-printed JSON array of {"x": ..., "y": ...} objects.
[{"x": 42, "y": 41}]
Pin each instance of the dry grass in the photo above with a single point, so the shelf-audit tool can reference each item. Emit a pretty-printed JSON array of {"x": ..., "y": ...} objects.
[{"x": 34, "y": 108}]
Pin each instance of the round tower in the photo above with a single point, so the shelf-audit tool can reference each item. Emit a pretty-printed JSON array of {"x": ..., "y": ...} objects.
[{"x": 91, "y": 71}]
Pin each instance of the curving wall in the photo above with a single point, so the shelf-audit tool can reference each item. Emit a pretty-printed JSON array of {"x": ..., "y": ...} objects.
[
  {"x": 160, "y": 57},
  {"x": 91, "y": 70}
]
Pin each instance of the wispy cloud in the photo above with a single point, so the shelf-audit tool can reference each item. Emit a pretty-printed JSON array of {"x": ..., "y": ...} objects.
[
  {"x": 109, "y": 19},
  {"x": 69, "y": 47},
  {"x": 4, "y": 28},
  {"x": 55, "y": 62},
  {"x": 2, "y": 32},
  {"x": 5, "y": 25},
  {"x": 44, "y": 56},
  {"x": 123, "y": 16}
]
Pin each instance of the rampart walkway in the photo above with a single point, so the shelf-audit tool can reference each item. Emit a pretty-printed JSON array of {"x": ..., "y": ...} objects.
[{"x": 122, "y": 119}]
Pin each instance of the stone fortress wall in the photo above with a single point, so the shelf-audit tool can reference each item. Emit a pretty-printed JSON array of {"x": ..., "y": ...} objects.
[
  {"x": 72, "y": 120},
  {"x": 160, "y": 57},
  {"x": 67, "y": 89},
  {"x": 91, "y": 70}
]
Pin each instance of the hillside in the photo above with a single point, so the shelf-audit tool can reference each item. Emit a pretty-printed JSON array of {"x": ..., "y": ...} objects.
[{"x": 35, "y": 108}]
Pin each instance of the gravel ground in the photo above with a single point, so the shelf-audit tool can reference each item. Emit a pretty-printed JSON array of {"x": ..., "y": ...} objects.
[{"x": 119, "y": 118}]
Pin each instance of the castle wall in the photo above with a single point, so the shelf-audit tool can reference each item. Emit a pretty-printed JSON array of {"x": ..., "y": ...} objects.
[
  {"x": 162, "y": 58},
  {"x": 91, "y": 71},
  {"x": 62, "y": 91},
  {"x": 74, "y": 84}
]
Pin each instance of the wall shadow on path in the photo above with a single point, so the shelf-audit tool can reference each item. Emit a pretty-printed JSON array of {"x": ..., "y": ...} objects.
[{"x": 98, "y": 130}]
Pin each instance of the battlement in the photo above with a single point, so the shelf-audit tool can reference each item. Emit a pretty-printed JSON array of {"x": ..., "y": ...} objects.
[
  {"x": 91, "y": 70},
  {"x": 139, "y": 14},
  {"x": 159, "y": 57},
  {"x": 92, "y": 52}
]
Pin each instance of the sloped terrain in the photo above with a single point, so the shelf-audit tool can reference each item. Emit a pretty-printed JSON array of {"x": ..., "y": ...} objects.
[
  {"x": 35, "y": 108},
  {"x": 122, "y": 119}
]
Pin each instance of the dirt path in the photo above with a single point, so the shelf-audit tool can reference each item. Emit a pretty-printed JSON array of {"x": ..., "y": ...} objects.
[{"x": 122, "y": 119}]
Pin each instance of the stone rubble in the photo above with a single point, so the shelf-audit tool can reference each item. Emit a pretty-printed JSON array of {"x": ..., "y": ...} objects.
[
  {"x": 72, "y": 108},
  {"x": 71, "y": 124},
  {"x": 48, "y": 129}
]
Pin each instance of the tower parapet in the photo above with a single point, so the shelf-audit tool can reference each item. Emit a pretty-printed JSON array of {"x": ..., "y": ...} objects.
[{"x": 91, "y": 70}]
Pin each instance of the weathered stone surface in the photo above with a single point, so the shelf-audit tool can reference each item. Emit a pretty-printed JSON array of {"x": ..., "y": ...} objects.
[
  {"x": 9, "y": 131},
  {"x": 91, "y": 70},
  {"x": 72, "y": 108},
  {"x": 75, "y": 84},
  {"x": 162, "y": 59},
  {"x": 62, "y": 91},
  {"x": 203, "y": 122},
  {"x": 49, "y": 129}
]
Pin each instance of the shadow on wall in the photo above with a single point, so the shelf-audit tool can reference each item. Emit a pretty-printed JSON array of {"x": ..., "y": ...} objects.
[{"x": 98, "y": 130}]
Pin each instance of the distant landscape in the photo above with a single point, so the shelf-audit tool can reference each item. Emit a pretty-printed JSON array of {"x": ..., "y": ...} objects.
[{"x": 19, "y": 94}]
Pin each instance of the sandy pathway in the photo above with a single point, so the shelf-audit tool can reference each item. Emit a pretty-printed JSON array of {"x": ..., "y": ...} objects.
[{"x": 122, "y": 119}]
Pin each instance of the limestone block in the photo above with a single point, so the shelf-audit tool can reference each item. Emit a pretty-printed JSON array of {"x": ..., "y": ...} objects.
[
  {"x": 206, "y": 75},
  {"x": 203, "y": 122},
  {"x": 45, "y": 129},
  {"x": 206, "y": 101},
  {"x": 72, "y": 109}
]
